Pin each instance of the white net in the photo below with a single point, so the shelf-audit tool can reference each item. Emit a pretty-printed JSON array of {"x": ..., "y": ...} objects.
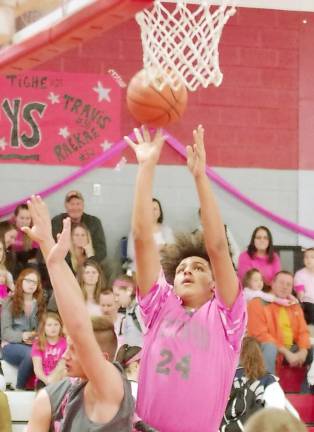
[{"x": 180, "y": 42}]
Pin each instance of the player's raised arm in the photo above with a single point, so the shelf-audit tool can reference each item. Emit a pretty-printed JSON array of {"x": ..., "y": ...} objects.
[
  {"x": 147, "y": 150},
  {"x": 214, "y": 231},
  {"x": 105, "y": 379}
]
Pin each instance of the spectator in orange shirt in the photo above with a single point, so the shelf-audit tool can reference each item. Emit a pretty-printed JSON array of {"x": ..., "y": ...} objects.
[{"x": 281, "y": 330}]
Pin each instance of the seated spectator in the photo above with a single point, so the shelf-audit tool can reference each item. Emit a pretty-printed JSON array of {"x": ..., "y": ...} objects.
[
  {"x": 26, "y": 250},
  {"x": 253, "y": 287},
  {"x": 281, "y": 330},
  {"x": 81, "y": 246},
  {"x": 9, "y": 277},
  {"x": 252, "y": 376},
  {"x": 19, "y": 321},
  {"x": 304, "y": 285},
  {"x": 74, "y": 205},
  {"x": 129, "y": 358},
  {"x": 124, "y": 292},
  {"x": 8, "y": 234},
  {"x": 274, "y": 420},
  {"x": 47, "y": 351},
  {"x": 163, "y": 234},
  {"x": 260, "y": 255},
  {"x": 91, "y": 280},
  {"x": 233, "y": 245},
  {"x": 110, "y": 309}
]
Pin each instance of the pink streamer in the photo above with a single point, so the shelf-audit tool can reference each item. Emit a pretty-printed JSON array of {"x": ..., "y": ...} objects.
[{"x": 176, "y": 145}]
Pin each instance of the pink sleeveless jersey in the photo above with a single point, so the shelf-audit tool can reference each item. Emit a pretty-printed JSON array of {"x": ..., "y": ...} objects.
[{"x": 188, "y": 360}]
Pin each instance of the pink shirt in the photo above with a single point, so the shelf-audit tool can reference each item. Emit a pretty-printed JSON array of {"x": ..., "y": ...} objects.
[
  {"x": 52, "y": 354},
  {"x": 268, "y": 269},
  {"x": 304, "y": 281},
  {"x": 188, "y": 360}
]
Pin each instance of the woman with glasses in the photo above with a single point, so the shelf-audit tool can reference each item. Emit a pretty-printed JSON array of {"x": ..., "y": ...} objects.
[
  {"x": 19, "y": 321},
  {"x": 260, "y": 254}
]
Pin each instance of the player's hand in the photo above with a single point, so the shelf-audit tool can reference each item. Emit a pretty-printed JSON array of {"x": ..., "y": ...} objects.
[
  {"x": 147, "y": 148},
  {"x": 60, "y": 249},
  {"x": 196, "y": 155},
  {"x": 40, "y": 232}
]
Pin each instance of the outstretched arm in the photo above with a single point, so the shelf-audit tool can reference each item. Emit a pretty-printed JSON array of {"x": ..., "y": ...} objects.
[
  {"x": 214, "y": 231},
  {"x": 147, "y": 150},
  {"x": 103, "y": 376}
]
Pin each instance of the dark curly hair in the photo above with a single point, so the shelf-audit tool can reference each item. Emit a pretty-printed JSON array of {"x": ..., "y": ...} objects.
[{"x": 186, "y": 245}]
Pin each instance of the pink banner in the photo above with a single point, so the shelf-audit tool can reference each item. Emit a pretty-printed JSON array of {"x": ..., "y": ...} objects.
[{"x": 57, "y": 118}]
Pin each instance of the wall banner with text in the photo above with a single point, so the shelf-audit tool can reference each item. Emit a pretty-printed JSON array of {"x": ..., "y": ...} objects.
[{"x": 57, "y": 118}]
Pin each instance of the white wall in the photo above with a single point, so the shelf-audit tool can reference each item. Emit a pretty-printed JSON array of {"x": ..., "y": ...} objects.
[{"x": 276, "y": 190}]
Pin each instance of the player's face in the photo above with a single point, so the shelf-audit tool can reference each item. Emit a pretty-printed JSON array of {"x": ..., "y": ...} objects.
[
  {"x": 261, "y": 240},
  {"x": 193, "y": 281},
  {"x": 75, "y": 209},
  {"x": 256, "y": 281},
  {"x": 23, "y": 218},
  {"x": 108, "y": 305},
  {"x": 282, "y": 285},
  {"x": 52, "y": 327},
  {"x": 309, "y": 260},
  {"x": 72, "y": 363}
]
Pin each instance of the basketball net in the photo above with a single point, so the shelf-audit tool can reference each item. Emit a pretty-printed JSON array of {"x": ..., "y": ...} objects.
[{"x": 181, "y": 45}]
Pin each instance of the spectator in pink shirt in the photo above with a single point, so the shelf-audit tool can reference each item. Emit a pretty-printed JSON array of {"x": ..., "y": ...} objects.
[
  {"x": 260, "y": 254},
  {"x": 194, "y": 324},
  {"x": 304, "y": 285}
]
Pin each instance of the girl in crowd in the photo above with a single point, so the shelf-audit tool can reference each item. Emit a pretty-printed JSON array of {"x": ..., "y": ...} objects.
[
  {"x": 133, "y": 326},
  {"x": 252, "y": 375},
  {"x": 25, "y": 249},
  {"x": 129, "y": 358},
  {"x": 260, "y": 254},
  {"x": 304, "y": 285},
  {"x": 92, "y": 282},
  {"x": 20, "y": 316},
  {"x": 191, "y": 320},
  {"x": 253, "y": 287},
  {"x": 81, "y": 246},
  {"x": 162, "y": 233},
  {"x": 47, "y": 351},
  {"x": 8, "y": 234}
]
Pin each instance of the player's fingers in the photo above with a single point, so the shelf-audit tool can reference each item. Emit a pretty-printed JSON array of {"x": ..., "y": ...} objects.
[
  {"x": 138, "y": 135},
  {"x": 129, "y": 142},
  {"x": 145, "y": 133}
]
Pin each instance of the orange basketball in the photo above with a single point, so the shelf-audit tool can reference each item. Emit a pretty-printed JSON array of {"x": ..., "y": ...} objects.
[{"x": 153, "y": 107}]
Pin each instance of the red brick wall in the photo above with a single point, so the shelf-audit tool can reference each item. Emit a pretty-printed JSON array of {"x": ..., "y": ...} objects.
[{"x": 254, "y": 118}]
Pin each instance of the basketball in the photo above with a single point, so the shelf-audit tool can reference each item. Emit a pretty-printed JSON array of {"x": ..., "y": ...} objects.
[{"x": 153, "y": 107}]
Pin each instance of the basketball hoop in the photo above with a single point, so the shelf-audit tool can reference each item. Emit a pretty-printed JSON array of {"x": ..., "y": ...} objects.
[{"x": 180, "y": 42}]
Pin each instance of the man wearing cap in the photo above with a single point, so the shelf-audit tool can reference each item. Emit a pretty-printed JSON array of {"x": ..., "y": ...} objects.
[{"x": 74, "y": 205}]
